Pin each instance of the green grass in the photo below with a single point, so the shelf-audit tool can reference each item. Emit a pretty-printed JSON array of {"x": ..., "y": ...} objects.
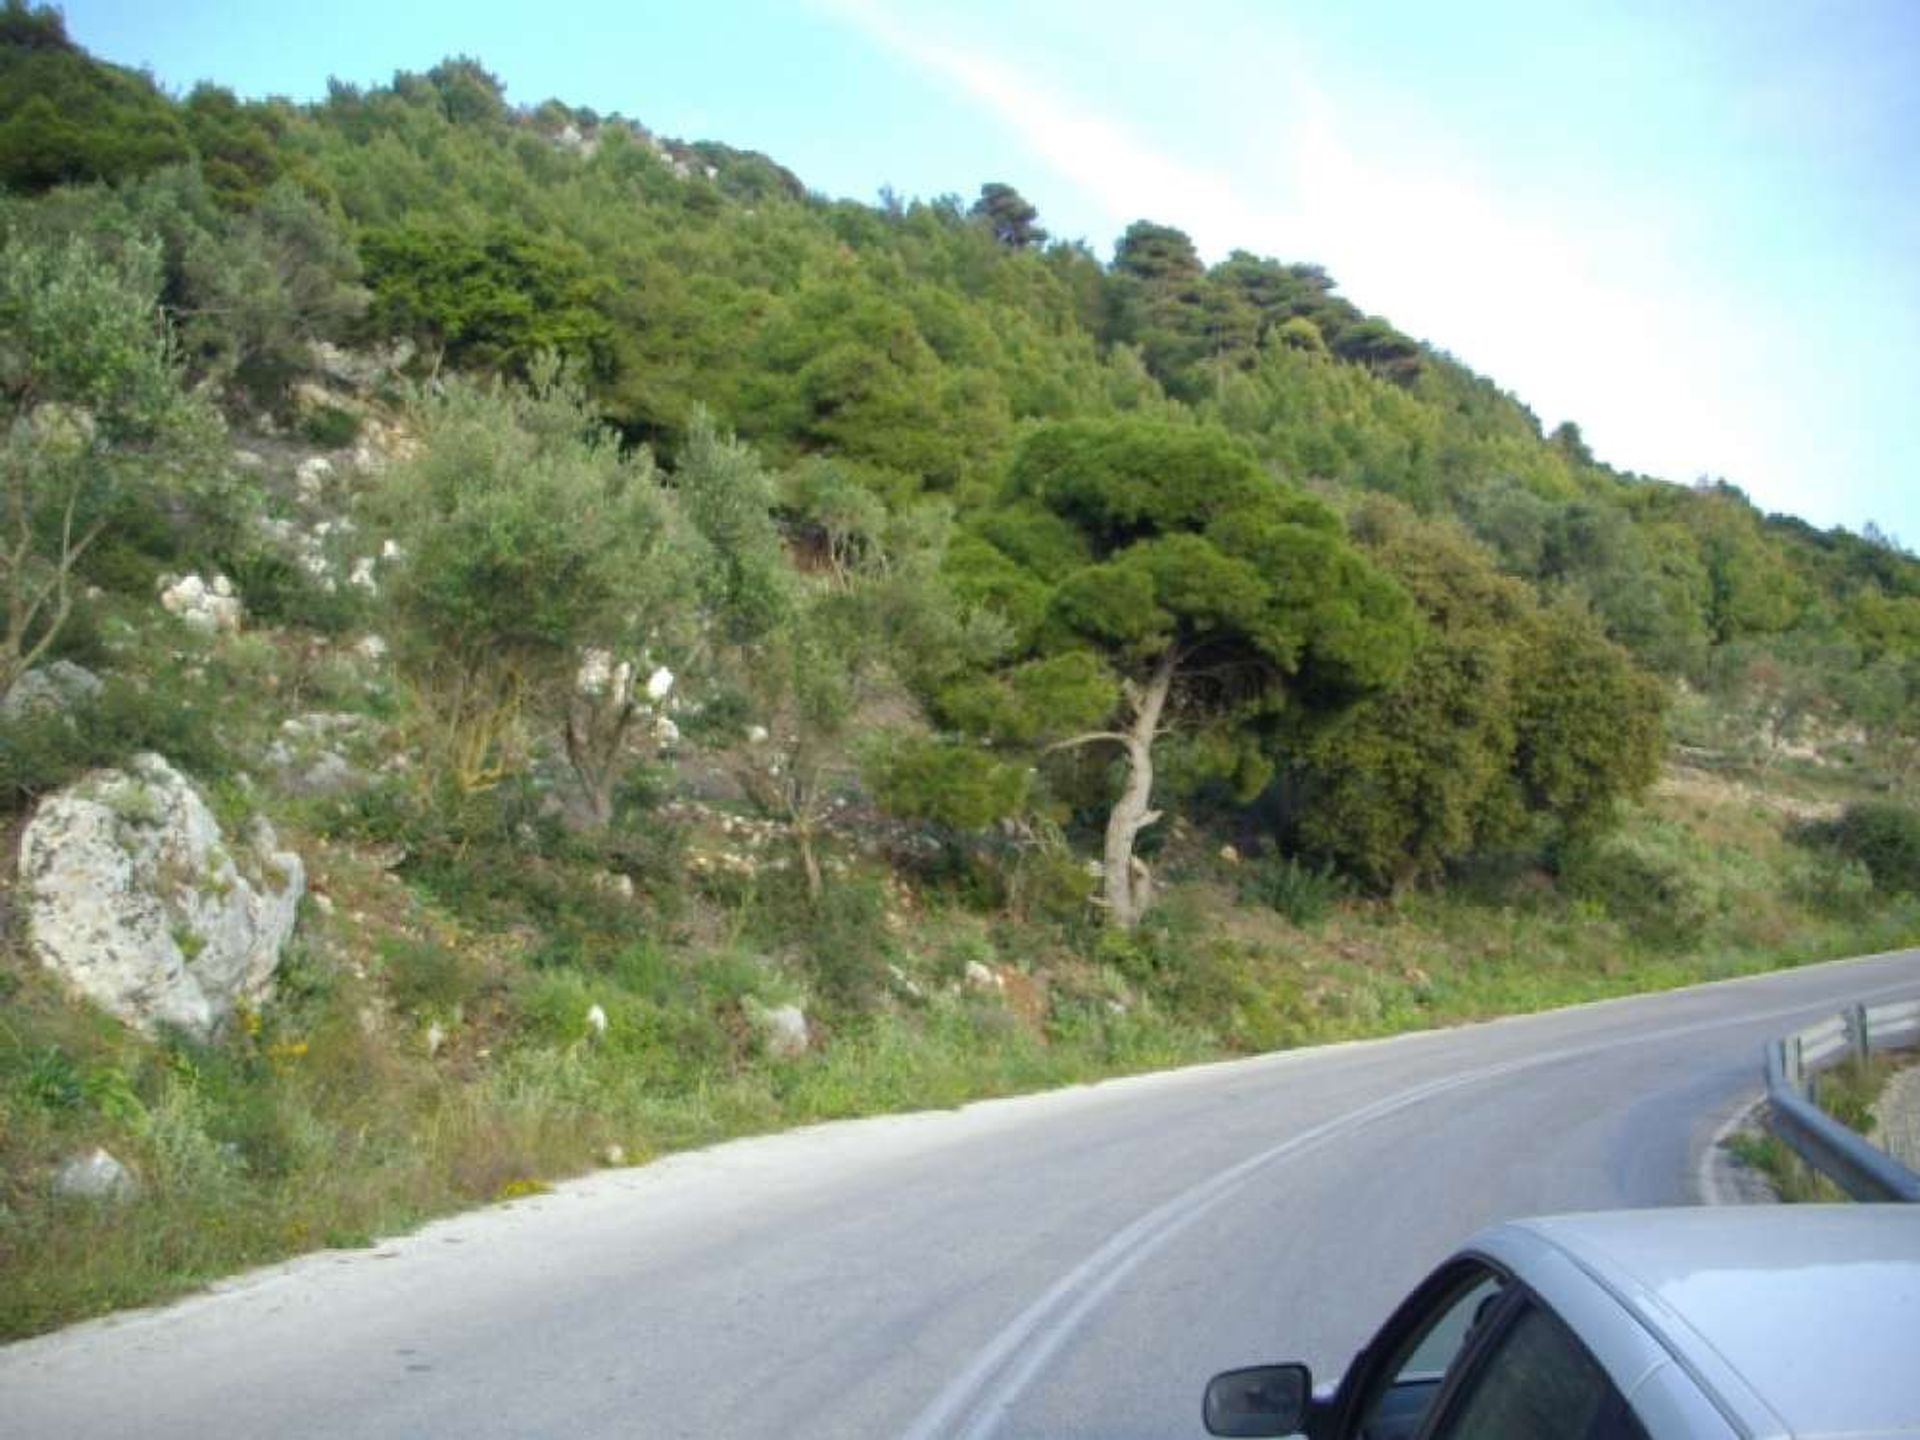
[{"x": 429, "y": 1049}]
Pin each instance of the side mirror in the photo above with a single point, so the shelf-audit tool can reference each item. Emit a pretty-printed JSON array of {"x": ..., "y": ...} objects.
[{"x": 1260, "y": 1400}]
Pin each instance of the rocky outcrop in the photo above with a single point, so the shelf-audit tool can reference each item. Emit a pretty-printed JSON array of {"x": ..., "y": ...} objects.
[
  {"x": 50, "y": 690},
  {"x": 137, "y": 901}
]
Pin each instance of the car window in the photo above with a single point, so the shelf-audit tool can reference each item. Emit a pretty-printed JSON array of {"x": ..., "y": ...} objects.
[
  {"x": 1538, "y": 1383},
  {"x": 1406, "y": 1385}
]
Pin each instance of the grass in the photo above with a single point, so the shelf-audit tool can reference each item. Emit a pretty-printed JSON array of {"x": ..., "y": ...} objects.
[
  {"x": 1849, "y": 1092},
  {"x": 1790, "y": 1177},
  {"x": 429, "y": 1048}
]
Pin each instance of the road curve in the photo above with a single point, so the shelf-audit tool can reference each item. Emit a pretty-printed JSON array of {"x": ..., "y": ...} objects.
[{"x": 1066, "y": 1265}]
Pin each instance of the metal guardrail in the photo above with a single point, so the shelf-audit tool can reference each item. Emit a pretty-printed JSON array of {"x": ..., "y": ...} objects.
[{"x": 1861, "y": 1170}]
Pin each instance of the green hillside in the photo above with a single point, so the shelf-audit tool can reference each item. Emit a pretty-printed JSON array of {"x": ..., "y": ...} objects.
[{"x": 707, "y": 598}]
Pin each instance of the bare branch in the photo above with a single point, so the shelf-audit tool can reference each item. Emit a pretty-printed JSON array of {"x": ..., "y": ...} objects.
[{"x": 1091, "y": 737}]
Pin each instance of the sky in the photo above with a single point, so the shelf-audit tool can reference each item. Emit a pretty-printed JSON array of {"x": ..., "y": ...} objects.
[{"x": 1690, "y": 228}]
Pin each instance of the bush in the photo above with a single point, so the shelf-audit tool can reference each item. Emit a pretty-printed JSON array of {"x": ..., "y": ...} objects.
[
  {"x": 847, "y": 946},
  {"x": 1302, "y": 893},
  {"x": 331, "y": 427},
  {"x": 1646, "y": 882},
  {"x": 1881, "y": 835},
  {"x": 42, "y": 750},
  {"x": 426, "y": 978}
]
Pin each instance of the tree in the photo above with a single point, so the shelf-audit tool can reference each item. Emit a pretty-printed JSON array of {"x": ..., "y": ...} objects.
[
  {"x": 1420, "y": 772},
  {"x": 1381, "y": 348},
  {"x": 1587, "y": 722},
  {"x": 1009, "y": 216},
  {"x": 527, "y": 539},
  {"x": 494, "y": 300},
  {"x": 1753, "y": 591},
  {"x": 1511, "y": 720},
  {"x": 258, "y": 292},
  {"x": 807, "y": 647},
  {"x": 1182, "y": 583},
  {"x": 68, "y": 117},
  {"x": 1156, "y": 297},
  {"x": 96, "y": 411},
  {"x": 237, "y": 144}
]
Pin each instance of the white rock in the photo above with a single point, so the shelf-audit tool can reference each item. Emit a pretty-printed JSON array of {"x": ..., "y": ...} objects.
[
  {"x": 614, "y": 1155},
  {"x": 390, "y": 550},
  {"x": 50, "y": 689},
  {"x": 436, "y": 1037},
  {"x": 96, "y": 1177},
  {"x": 329, "y": 775},
  {"x": 134, "y": 898},
  {"x": 783, "y": 1028},
  {"x": 362, "y": 575},
  {"x": 659, "y": 683},
  {"x": 595, "y": 674},
  {"x": 596, "y": 1020},
  {"x": 359, "y": 369},
  {"x": 756, "y": 734},
  {"x": 614, "y": 883},
  {"x": 311, "y": 477},
  {"x": 213, "y": 608},
  {"x": 983, "y": 977},
  {"x": 371, "y": 647}
]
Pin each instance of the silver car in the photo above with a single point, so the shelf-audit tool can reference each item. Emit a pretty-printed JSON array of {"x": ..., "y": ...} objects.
[{"x": 1633, "y": 1325}]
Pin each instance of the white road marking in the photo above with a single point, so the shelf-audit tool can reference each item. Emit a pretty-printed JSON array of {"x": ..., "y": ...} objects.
[{"x": 972, "y": 1404}]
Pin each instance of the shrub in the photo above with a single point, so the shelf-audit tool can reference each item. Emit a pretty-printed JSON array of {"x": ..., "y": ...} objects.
[
  {"x": 1881, "y": 835},
  {"x": 427, "y": 978},
  {"x": 331, "y": 427},
  {"x": 42, "y": 750},
  {"x": 1302, "y": 893},
  {"x": 952, "y": 785},
  {"x": 1645, "y": 881}
]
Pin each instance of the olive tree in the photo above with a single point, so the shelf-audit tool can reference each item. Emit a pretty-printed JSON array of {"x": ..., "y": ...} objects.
[
  {"x": 95, "y": 413},
  {"x": 810, "y": 645},
  {"x": 529, "y": 539}
]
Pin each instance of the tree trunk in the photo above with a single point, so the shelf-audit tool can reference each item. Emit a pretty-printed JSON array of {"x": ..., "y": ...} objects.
[
  {"x": 596, "y": 731},
  {"x": 809, "y": 862},
  {"x": 1128, "y": 883}
]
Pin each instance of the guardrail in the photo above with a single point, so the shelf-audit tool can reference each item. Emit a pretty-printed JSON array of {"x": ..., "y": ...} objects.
[{"x": 1861, "y": 1170}]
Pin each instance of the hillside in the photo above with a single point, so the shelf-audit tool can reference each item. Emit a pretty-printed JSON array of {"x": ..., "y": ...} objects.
[{"x": 722, "y": 657}]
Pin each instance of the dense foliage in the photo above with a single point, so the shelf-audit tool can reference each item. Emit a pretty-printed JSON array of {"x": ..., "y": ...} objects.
[{"x": 1149, "y": 465}]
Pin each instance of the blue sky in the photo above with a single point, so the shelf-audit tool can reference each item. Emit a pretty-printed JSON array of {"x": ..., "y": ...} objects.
[{"x": 1691, "y": 228}]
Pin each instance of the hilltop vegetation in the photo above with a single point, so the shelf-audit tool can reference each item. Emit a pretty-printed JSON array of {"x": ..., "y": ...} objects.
[{"x": 730, "y": 603}]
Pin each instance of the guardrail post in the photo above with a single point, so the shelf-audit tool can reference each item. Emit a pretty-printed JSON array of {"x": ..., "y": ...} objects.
[
  {"x": 1818, "y": 1140},
  {"x": 1859, "y": 1035}
]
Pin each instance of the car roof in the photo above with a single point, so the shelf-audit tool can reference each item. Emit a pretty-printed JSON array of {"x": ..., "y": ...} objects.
[{"x": 1813, "y": 1310}]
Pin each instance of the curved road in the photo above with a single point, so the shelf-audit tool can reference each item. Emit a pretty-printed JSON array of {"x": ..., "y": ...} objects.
[{"x": 1067, "y": 1265}]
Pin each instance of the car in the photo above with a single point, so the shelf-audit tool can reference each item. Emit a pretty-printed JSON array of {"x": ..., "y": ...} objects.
[{"x": 1762, "y": 1321}]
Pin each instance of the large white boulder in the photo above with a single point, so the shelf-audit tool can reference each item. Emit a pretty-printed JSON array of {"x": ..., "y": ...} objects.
[{"x": 138, "y": 902}]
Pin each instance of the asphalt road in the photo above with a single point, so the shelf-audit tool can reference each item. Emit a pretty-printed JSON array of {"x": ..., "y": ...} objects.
[{"x": 1069, "y": 1265}]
